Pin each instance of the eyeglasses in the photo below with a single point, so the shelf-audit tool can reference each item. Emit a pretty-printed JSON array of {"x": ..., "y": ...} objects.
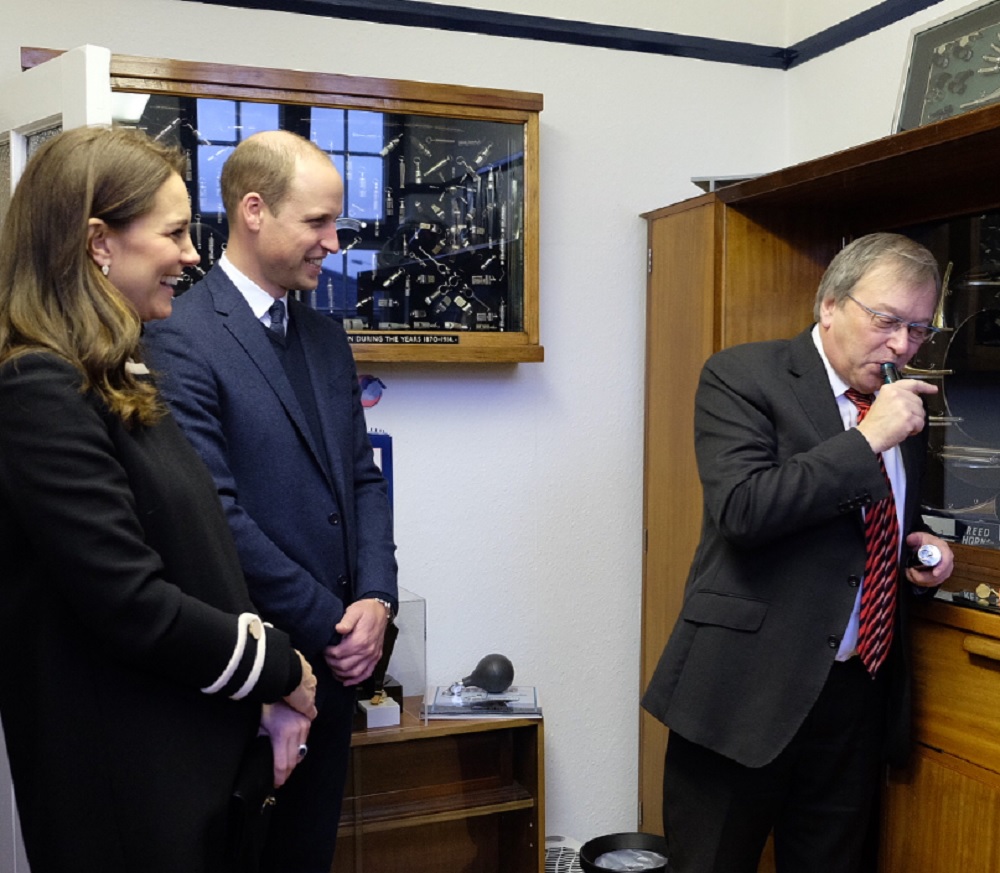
[{"x": 919, "y": 333}]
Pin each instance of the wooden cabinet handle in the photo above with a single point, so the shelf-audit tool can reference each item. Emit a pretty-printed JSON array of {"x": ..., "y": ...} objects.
[{"x": 982, "y": 646}]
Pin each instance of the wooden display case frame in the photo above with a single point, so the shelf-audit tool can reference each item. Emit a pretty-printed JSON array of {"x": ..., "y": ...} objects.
[{"x": 141, "y": 75}]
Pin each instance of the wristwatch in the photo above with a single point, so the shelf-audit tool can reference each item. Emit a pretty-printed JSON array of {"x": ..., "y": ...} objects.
[{"x": 388, "y": 607}]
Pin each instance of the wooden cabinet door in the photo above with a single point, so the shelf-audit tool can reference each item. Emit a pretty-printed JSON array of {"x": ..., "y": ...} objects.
[
  {"x": 680, "y": 335},
  {"x": 940, "y": 816}
]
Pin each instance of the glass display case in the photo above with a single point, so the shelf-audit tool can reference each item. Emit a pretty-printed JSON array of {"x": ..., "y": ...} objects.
[
  {"x": 432, "y": 233},
  {"x": 963, "y": 476},
  {"x": 408, "y": 664},
  {"x": 438, "y": 255}
]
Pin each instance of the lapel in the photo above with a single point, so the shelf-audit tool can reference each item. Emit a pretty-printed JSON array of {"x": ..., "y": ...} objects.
[
  {"x": 810, "y": 385},
  {"x": 238, "y": 319},
  {"x": 322, "y": 366},
  {"x": 914, "y": 452}
]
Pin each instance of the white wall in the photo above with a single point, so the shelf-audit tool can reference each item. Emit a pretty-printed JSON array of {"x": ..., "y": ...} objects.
[
  {"x": 849, "y": 96},
  {"x": 518, "y": 488}
]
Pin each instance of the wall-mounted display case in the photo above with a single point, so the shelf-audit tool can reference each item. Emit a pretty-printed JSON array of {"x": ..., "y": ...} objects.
[{"x": 438, "y": 255}]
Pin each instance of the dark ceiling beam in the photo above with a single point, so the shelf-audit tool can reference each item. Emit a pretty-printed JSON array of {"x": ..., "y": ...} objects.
[
  {"x": 415, "y": 13},
  {"x": 885, "y": 13},
  {"x": 412, "y": 13}
]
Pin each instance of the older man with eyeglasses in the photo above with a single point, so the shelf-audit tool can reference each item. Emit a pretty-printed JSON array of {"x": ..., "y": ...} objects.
[{"x": 785, "y": 681}]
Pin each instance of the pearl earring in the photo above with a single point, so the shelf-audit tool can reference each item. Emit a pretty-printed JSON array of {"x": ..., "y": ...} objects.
[{"x": 106, "y": 269}]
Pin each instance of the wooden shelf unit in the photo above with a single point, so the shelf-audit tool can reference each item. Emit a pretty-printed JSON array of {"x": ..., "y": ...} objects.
[
  {"x": 449, "y": 794},
  {"x": 742, "y": 264}
]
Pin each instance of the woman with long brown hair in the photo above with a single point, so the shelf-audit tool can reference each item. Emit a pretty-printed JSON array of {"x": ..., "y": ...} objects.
[{"x": 134, "y": 673}]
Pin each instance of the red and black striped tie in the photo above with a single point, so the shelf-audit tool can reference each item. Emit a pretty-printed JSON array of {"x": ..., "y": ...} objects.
[{"x": 878, "y": 594}]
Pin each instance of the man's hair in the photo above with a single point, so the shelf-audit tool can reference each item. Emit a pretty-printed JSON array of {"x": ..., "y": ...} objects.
[
  {"x": 264, "y": 163},
  {"x": 53, "y": 297},
  {"x": 911, "y": 263}
]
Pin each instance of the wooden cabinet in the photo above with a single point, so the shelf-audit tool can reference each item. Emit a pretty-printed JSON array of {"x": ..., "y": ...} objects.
[
  {"x": 446, "y": 795},
  {"x": 941, "y": 813},
  {"x": 742, "y": 264}
]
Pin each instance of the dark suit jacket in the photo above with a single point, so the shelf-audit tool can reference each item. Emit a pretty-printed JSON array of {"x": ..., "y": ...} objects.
[
  {"x": 321, "y": 505},
  {"x": 782, "y": 550}
]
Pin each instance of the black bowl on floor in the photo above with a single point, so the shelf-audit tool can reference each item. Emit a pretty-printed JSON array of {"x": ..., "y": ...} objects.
[{"x": 595, "y": 848}]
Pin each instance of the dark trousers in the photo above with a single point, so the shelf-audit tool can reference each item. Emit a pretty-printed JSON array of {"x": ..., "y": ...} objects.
[
  {"x": 817, "y": 795},
  {"x": 303, "y": 830}
]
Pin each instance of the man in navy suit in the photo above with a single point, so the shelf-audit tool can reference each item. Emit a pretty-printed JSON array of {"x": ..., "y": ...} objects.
[
  {"x": 269, "y": 397},
  {"x": 780, "y": 715}
]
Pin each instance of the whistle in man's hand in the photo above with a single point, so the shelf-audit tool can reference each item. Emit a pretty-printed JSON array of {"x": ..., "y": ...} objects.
[{"x": 889, "y": 373}]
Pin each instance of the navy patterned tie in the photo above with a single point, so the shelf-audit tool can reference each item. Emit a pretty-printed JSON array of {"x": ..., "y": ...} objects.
[
  {"x": 277, "y": 313},
  {"x": 878, "y": 594}
]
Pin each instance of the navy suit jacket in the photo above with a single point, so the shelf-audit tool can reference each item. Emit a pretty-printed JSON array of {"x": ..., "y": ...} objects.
[
  {"x": 782, "y": 551},
  {"x": 311, "y": 519}
]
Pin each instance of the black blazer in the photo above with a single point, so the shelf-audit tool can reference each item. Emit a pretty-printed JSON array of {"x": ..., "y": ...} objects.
[
  {"x": 119, "y": 592},
  {"x": 775, "y": 575}
]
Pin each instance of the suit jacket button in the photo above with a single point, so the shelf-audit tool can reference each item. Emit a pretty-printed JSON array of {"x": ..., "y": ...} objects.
[
  {"x": 333, "y": 518},
  {"x": 833, "y": 642},
  {"x": 342, "y": 580},
  {"x": 853, "y": 581}
]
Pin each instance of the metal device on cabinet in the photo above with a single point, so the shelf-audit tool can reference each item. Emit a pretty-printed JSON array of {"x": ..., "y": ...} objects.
[{"x": 963, "y": 482}]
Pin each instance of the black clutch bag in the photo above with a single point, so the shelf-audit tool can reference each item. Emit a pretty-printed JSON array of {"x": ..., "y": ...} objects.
[{"x": 250, "y": 807}]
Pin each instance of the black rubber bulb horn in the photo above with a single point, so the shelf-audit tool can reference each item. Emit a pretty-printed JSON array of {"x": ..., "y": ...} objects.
[{"x": 494, "y": 674}]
